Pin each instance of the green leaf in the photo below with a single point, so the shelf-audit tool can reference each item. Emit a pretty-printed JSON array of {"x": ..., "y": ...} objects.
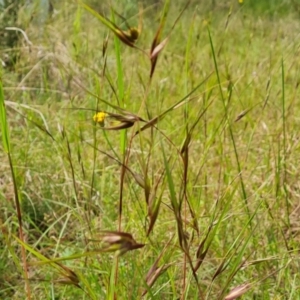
[{"x": 3, "y": 121}]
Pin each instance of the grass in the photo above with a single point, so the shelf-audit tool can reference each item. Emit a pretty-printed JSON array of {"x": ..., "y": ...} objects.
[{"x": 189, "y": 191}]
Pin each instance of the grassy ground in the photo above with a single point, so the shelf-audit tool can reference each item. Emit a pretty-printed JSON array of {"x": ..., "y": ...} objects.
[{"x": 207, "y": 192}]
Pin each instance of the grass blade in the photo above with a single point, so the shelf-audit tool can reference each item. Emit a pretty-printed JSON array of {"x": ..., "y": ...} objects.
[{"x": 6, "y": 146}]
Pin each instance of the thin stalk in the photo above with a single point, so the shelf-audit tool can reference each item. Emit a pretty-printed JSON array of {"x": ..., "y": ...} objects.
[
  {"x": 123, "y": 132},
  {"x": 284, "y": 144},
  {"x": 113, "y": 277},
  {"x": 123, "y": 142},
  {"x": 186, "y": 154},
  {"x": 7, "y": 149},
  {"x": 244, "y": 194}
]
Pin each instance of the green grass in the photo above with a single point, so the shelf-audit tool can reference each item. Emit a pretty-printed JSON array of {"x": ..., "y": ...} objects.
[{"x": 204, "y": 177}]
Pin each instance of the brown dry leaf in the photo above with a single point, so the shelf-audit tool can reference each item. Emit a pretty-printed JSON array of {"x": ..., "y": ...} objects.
[
  {"x": 153, "y": 275},
  {"x": 245, "y": 112},
  {"x": 158, "y": 48},
  {"x": 104, "y": 46},
  {"x": 69, "y": 276},
  {"x": 66, "y": 281},
  {"x": 153, "y": 211},
  {"x": 242, "y": 114},
  {"x": 220, "y": 269},
  {"x": 123, "y": 121},
  {"x": 201, "y": 252},
  {"x": 139, "y": 178},
  {"x": 153, "y": 203},
  {"x": 156, "y": 271},
  {"x": 122, "y": 125},
  {"x": 238, "y": 291},
  {"x": 119, "y": 242},
  {"x": 128, "y": 38}
]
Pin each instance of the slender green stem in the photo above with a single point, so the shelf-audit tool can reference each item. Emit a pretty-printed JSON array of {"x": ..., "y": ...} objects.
[
  {"x": 286, "y": 193},
  {"x": 228, "y": 123}
]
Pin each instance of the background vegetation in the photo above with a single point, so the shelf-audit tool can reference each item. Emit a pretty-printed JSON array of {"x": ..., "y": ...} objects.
[{"x": 194, "y": 168}]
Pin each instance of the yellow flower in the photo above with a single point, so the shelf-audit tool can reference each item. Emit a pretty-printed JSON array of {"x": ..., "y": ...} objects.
[
  {"x": 100, "y": 117},
  {"x": 241, "y": 1}
]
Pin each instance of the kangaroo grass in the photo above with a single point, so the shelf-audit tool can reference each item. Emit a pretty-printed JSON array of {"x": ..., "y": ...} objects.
[{"x": 147, "y": 156}]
